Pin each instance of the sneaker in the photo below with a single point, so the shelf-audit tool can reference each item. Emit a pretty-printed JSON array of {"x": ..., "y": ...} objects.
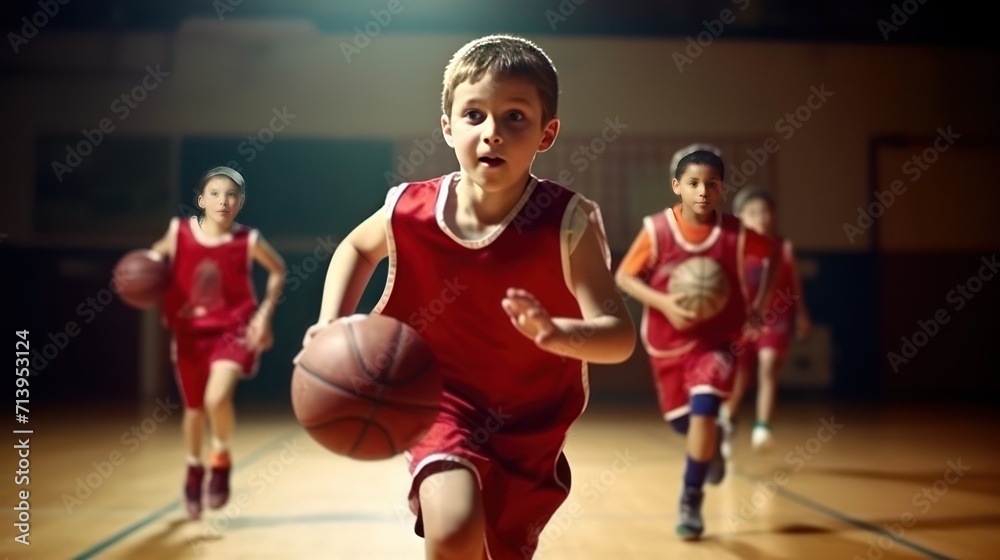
[
  {"x": 218, "y": 484},
  {"x": 689, "y": 523},
  {"x": 717, "y": 466},
  {"x": 728, "y": 426},
  {"x": 192, "y": 490},
  {"x": 761, "y": 439}
]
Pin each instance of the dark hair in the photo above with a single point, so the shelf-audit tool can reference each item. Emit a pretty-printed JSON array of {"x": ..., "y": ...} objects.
[
  {"x": 222, "y": 171},
  {"x": 751, "y": 192},
  {"x": 504, "y": 56},
  {"x": 700, "y": 157}
]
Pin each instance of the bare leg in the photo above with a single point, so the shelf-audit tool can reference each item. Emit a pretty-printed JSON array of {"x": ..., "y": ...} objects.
[
  {"x": 193, "y": 426},
  {"x": 701, "y": 438},
  {"x": 452, "y": 508},
  {"x": 740, "y": 383},
  {"x": 770, "y": 366},
  {"x": 219, "y": 402}
]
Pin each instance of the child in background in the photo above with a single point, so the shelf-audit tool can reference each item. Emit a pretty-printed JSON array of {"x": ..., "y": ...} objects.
[
  {"x": 520, "y": 266},
  {"x": 691, "y": 362},
  {"x": 766, "y": 353},
  {"x": 219, "y": 331}
]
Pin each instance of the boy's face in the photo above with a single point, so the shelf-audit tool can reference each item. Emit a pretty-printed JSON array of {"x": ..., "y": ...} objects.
[
  {"x": 496, "y": 129},
  {"x": 700, "y": 189},
  {"x": 756, "y": 215}
]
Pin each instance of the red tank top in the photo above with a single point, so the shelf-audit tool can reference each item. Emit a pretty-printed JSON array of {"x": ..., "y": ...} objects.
[
  {"x": 725, "y": 245},
  {"x": 756, "y": 269},
  {"x": 450, "y": 290},
  {"x": 210, "y": 284}
]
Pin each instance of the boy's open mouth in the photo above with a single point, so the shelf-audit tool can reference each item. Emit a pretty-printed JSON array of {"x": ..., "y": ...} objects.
[{"x": 491, "y": 161}]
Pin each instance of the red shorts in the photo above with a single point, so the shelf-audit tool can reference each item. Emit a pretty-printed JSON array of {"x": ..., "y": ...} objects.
[
  {"x": 194, "y": 354},
  {"x": 523, "y": 478},
  {"x": 699, "y": 371},
  {"x": 777, "y": 337}
]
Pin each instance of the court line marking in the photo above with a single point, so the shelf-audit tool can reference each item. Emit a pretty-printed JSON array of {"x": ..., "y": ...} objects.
[
  {"x": 844, "y": 518},
  {"x": 122, "y": 534}
]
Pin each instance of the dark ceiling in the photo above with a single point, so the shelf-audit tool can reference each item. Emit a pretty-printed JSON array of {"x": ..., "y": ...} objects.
[{"x": 932, "y": 22}]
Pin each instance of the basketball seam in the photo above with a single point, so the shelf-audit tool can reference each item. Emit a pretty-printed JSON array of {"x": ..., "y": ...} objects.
[
  {"x": 349, "y": 392},
  {"x": 376, "y": 401}
]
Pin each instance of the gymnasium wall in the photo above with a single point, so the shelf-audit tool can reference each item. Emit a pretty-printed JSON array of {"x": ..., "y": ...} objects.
[{"x": 800, "y": 117}]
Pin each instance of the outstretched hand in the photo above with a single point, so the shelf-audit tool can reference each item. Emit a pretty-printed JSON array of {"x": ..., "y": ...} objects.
[{"x": 529, "y": 316}]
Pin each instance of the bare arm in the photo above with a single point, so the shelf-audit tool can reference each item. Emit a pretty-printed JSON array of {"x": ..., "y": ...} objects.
[
  {"x": 606, "y": 333},
  {"x": 265, "y": 254},
  {"x": 260, "y": 336},
  {"x": 668, "y": 304},
  {"x": 352, "y": 266},
  {"x": 350, "y": 269}
]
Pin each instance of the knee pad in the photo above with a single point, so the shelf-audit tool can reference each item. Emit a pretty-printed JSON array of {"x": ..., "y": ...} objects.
[{"x": 705, "y": 404}]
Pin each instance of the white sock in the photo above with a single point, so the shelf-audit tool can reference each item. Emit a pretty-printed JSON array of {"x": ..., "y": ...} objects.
[{"x": 219, "y": 446}]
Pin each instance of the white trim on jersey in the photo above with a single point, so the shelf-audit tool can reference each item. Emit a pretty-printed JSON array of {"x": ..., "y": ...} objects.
[
  {"x": 678, "y": 412},
  {"x": 447, "y": 184},
  {"x": 786, "y": 251},
  {"x": 675, "y": 231},
  {"x": 391, "y": 198},
  {"x": 585, "y": 383},
  {"x": 251, "y": 244},
  {"x": 660, "y": 352},
  {"x": 654, "y": 243},
  {"x": 444, "y": 457},
  {"x": 201, "y": 239},
  {"x": 579, "y": 215},
  {"x": 706, "y": 390},
  {"x": 741, "y": 244},
  {"x": 566, "y": 234}
]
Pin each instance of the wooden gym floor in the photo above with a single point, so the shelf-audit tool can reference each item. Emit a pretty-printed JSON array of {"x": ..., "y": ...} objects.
[{"x": 893, "y": 482}]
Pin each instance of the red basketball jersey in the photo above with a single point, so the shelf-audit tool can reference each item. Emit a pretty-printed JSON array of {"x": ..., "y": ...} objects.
[
  {"x": 450, "y": 289},
  {"x": 725, "y": 245},
  {"x": 210, "y": 284},
  {"x": 756, "y": 268}
]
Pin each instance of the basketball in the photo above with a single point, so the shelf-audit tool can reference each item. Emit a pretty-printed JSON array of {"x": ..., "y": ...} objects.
[
  {"x": 705, "y": 284},
  {"x": 140, "y": 278},
  {"x": 366, "y": 387}
]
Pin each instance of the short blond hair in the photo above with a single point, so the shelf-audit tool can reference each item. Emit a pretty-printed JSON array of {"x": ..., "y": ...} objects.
[{"x": 503, "y": 56}]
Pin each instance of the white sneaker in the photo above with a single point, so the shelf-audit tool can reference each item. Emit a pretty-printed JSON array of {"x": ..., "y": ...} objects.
[
  {"x": 725, "y": 422},
  {"x": 761, "y": 439}
]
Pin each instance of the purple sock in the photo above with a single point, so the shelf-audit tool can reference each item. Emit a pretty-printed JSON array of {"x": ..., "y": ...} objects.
[{"x": 694, "y": 472}]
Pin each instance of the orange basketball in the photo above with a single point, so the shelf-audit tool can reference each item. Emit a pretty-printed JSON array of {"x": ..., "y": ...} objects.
[
  {"x": 141, "y": 279},
  {"x": 704, "y": 282},
  {"x": 366, "y": 387}
]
